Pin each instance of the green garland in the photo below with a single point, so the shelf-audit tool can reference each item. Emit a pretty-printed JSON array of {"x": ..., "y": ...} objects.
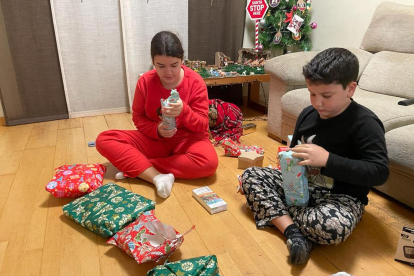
[
  {"x": 204, "y": 73},
  {"x": 240, "y": 69}
]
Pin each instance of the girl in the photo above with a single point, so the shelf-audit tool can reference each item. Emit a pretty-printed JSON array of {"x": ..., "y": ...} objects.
[{"x": 153, "y": 152}]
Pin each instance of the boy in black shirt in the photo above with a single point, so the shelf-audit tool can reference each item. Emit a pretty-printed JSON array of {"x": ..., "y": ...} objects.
[{"x": 343, "y": 147}]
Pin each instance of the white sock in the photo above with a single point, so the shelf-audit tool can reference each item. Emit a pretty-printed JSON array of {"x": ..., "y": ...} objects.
[
  {"x": 164, "y": 183},
  {"x": 120, "y": 175}
]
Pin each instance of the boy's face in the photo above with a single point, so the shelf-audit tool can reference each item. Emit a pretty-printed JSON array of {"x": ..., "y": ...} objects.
[{"x": 332, "y": 99}]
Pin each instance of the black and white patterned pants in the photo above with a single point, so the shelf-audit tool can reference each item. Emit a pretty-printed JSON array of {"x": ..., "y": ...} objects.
[{"x": 328, "y": 218}]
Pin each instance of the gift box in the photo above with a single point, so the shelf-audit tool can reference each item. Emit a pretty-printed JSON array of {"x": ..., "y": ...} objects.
[
  {"x": 295, "y": 182},
  {"x": 210, "y": 200},
  {"x": 250, "y": 159},
  {"x": 148, "y": 239},
  {"x": 108, "y": 209},
  {"x": 76, "y": 180},
  {"x": 201, "y": 266},
  {"x": 405, "y": 247}
]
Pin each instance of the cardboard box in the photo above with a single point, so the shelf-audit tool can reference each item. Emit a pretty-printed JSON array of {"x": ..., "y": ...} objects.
[
  {"x": 250, "y": 159},
  {"x": 405, "y": 248},
  {"x": 210, "y": 200},
  {"x": 249, "y": 128}
]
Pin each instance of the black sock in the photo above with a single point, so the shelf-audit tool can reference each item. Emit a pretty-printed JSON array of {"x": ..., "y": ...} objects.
[{"x": 299, "y": 247}]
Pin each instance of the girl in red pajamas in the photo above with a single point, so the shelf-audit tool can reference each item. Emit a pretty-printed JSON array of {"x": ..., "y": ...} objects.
[{"x": 152, "y": 152}]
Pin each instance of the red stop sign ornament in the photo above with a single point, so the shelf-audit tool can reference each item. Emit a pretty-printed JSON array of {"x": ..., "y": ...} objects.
[{"x": 257, "y": 9}]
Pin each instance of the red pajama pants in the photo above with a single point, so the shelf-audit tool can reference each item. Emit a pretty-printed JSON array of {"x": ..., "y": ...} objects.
[{"x": 132, "y": 153}]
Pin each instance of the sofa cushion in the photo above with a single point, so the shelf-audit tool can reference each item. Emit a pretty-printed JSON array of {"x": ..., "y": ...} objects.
[
  {"x": 289, "y": 67},
  {"x": 389, "y": 73},
  {"x": 400, "y": 147},
  {"x": 385, "y": 107},
  {"x": 390, "y": 29}
]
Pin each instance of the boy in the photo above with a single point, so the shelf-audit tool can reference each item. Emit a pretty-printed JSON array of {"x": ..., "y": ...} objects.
[{"x": 343, "y": 147}]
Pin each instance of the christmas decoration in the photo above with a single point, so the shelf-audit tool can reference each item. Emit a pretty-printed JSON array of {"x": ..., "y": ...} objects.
[
  {"x": 301, "y": 5},
  {"x": 257, "y": 10},
  {"x": 260, "y": 47},
  {"x": 297, "y": 36},
  {"x": 277, "y": 38},
  {"x": 295, "y": 8},
  {"x": 308, "y": 4},
  {"x": 314, "y": 25},
  {"x": 295, "y": 24},
  {"x": 281, "y": 21},
  {"x": 274, "y": 3}
]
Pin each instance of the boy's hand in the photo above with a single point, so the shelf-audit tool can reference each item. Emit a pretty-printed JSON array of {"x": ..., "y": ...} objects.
[
  {"x": 312, "y": 155},
  {"x": 173, "y": 109},
  {"x": 164, "y": 132}
]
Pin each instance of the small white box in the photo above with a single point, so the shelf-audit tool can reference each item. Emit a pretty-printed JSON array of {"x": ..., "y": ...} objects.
[
  {"x": 210, "y": 200},
  {"x": 405, "y": 248}
]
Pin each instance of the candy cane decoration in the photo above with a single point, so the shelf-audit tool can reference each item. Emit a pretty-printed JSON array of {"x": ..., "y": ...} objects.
[{"x": 256, "y": 42}]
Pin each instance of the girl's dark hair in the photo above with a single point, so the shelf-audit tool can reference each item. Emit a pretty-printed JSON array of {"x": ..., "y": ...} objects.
[
  {"x": 166, "y": 44},
  {"x": 333, "y": 65}
]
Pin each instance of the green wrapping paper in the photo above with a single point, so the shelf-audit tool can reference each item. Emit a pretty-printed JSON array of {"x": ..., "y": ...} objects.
[
  {"x": 108, "y": 209},
  {"x": 201, "y": 266}
]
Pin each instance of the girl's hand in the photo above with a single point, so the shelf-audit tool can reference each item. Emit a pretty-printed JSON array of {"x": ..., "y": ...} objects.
[
  {"x": 313, "y": 155},
  {"x": 173, "y": 109},
  {"x": 164, "y": 132}
]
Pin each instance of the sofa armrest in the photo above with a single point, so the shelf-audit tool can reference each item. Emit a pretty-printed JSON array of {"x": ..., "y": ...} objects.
[
  {"x": 289, "y": 67},
  {"x": 285, "y": 75}
]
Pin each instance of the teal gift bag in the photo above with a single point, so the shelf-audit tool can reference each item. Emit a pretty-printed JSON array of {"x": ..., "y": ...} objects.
[
  {"x": 295, "y": 182},
  {"x": 205, "y": 265}
]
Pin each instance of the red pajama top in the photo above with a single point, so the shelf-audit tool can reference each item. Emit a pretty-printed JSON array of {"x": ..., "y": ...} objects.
[{"x": 193, "y": 119}]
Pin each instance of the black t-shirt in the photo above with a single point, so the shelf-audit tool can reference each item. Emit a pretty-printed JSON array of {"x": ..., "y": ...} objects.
[{"x": 355, "y": 141}]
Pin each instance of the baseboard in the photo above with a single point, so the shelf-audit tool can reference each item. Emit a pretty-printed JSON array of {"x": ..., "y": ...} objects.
[
  {"x": 2, "y": 121},
  {"x": 98, "y": 112},
  {"x": 274, "y": 137}
]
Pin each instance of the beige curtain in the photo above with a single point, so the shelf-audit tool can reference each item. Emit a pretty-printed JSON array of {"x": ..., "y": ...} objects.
[
  {"x": 89, "y": 37},
  {"x": 31, "y": 87},
  {"x": 216, "y": 26},
  {"x": 141, "y": 20}
]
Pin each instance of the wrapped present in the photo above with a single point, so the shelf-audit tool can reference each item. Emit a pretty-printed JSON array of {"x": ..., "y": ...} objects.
[
  {"x": 76, "y": 180},
  {"x": 201, "y": 266},
  {"x": 108, "y": 209},
  {"x": 167, "y": 120},
  {"x": 233, "y": 149},
  {"x": 279, "y": 150},
  {"x": 250, "y": 159},
  {"x": 148, "y": 239},
  {"x": 295, "y": 182}
]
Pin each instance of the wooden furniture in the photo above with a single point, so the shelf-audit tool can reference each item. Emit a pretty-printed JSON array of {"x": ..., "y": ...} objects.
[{"x": 253, "y": 81}]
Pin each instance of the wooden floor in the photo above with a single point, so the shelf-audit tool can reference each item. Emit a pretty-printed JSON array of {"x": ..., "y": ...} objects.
[{"x": 37, "y": 239}]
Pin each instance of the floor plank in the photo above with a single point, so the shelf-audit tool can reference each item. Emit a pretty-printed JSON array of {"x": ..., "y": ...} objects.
[{"x": 37, "y": 239}]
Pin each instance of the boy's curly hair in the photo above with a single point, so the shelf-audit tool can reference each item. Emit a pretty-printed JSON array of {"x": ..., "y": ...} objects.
[{"x": 333, "y": 65}]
